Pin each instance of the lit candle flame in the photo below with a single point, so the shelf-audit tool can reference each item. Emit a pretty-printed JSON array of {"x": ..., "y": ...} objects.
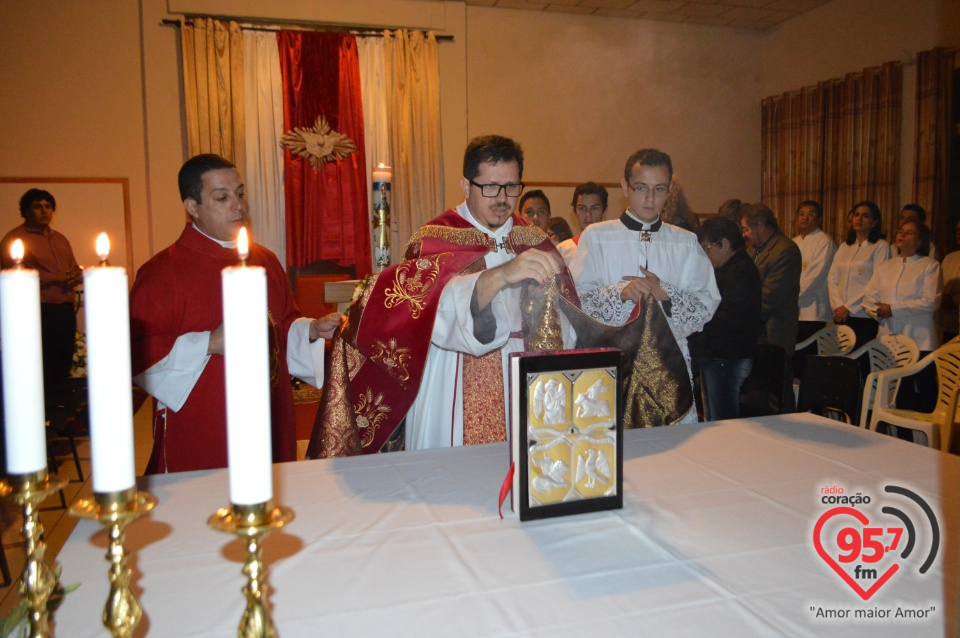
[
  {"x": 243, "y": 245},
  {"x": 16, "y": 252},
  {"x": 381, "y": 165},
  {"x": 103, "y": 247}
]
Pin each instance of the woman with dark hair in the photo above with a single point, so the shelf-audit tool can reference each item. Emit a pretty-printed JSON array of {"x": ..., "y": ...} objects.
[
  {"x": 558, "y": 230},
  {"x": 903, "y": 296},
  {"x": 853, "y": 266},
  {"x": 724, "y": 350}
]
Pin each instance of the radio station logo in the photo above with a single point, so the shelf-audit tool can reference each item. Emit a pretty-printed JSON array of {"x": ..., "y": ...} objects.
[{"x": 867, "y": 551}]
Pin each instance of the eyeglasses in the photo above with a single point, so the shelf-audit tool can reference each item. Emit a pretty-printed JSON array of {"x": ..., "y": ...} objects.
[
  {"x": 493, "y": 190},
  {"x": 659, "y": 190},
  {"x": 707, "y": 247}
]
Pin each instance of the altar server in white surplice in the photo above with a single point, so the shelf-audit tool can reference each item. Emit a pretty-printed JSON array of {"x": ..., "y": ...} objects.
[
  {"x": 620, "y": 261},
  {"x": 817, "y": 250}
]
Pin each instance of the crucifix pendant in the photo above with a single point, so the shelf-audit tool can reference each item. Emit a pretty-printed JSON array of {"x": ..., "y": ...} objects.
[{"x": 645, "y": 235}]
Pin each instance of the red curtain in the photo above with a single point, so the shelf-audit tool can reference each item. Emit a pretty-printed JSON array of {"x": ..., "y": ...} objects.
[{"x": 327, "y": 215}]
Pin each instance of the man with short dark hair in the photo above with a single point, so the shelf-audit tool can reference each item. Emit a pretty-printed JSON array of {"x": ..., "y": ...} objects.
[
  {"x": 422, "y": 361},
  {"x": 780, "y": 263},
  {"x": 535, "y": 207},
  {"x": 49, "y": 253},
  {"x": 589, "y": 206},
  {"x": 176, "y": 327},
  {"x": 817, "y": 250},
  {"x": 639, "y": 255}
]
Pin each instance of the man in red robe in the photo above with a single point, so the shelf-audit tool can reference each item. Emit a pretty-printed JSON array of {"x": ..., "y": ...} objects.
[
  {"x": 427, "y": 343},
  {"x": 176, "y": 327}
]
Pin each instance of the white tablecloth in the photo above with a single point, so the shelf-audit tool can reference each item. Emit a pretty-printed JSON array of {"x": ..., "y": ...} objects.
[{"x": 715, "y": 539}]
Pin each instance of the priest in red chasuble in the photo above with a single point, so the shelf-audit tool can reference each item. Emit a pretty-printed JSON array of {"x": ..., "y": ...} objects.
[
  {"x": 427, "y": 344},
  {"x": 176, "y": 327}
]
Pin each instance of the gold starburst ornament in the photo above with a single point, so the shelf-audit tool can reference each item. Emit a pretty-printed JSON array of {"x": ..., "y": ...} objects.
[{"x": 320, "y": 144}]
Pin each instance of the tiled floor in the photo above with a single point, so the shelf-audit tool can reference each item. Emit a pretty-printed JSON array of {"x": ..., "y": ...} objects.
[{"x": 57, "y": 522}]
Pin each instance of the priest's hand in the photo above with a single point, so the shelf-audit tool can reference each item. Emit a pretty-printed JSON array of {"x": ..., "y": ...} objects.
[
  {"x": 841, "y": 314},
  {"x": 215, "y": 346},
  {"x": 884, "y": 311},
  {"x": 641, "y": 286},
  {"x": 324, "y": 327},
  {"x": 532, "y": 264}
]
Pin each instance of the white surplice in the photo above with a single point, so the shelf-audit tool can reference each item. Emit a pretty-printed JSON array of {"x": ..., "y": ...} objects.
[
  {"x": 609, "y": 251},
  {"x": 817, "y": 250},
  {"x": 436, "y": 417}
]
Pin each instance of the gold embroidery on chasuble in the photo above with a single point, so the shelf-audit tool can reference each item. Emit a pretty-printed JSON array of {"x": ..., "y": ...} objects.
[
  {"x": 483, "y": 407},
  {"x": 370, "y": 411},
  {"x": 274, "y": 352},
  {"x": 393, "y": 357},
  {"x": 412, "y": 282}
]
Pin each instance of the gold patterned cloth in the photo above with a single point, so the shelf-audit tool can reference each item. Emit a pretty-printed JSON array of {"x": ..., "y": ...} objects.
[
  {"x": 657, "y": 386},
  {"x": 483, "y": 408}
]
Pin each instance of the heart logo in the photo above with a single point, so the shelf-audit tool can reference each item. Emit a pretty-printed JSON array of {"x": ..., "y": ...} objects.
[{"x": 854, "y": 585}]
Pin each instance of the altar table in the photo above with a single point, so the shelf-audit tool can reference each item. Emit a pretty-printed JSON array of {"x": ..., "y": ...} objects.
[{"x": 714, "y": 539}]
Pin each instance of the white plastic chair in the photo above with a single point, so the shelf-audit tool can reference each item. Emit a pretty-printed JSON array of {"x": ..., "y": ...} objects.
[
  {"x": 937, "y": 425},
  {"x": 886, "y": 352},
  {"x": 833, "y": 339}
]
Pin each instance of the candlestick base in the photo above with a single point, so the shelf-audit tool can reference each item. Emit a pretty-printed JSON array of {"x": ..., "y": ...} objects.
[
  {"x": 252, "y": 523},
  {"x": 38, "y": 580},
  {"x": 116, "y": 510}
]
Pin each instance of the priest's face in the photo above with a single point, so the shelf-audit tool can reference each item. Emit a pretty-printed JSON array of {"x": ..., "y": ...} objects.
[
  {"x": 222, "y": 211},
  {"x": 492, "y": 212},
  {"x": 647, "y": 191}
]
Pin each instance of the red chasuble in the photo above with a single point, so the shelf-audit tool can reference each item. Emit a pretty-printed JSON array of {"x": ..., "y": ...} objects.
[
  {"x": 378, "y": 357},
  {"x": 179, "y": 291}
]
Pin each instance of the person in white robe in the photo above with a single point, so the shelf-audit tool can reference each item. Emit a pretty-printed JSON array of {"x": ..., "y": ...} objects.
[
  {"x": 589, "y": 206},
  {"x": 817, "y": 249},
  {"x": 620, "y": 261},
  {"x": 436, "y": 417}
]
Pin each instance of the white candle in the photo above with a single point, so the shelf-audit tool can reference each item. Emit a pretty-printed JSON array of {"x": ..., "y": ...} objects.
[
  {"x": 107, "y": 311},
  {"x": 246, "y": 352},
  {"x": 22, "y": 367},
  {"x": 381, "y": 174}
]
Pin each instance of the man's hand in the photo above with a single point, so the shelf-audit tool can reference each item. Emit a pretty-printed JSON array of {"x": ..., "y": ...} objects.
[
  {"x": 884, "y": 311},
  {"x": 70, "y": 277},
  {"x": 324, "y": 327},
  {"x": 841, "y": 314},
  {"x": 532, "y": 264},
  {"x": 641, "y": 286},
  {"x": 216, "y": 341}
]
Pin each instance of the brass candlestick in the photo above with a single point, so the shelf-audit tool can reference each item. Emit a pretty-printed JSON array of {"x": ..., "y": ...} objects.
[
  {"x": 38, "y": 581},
  {"x": 116, "y": 510},
  {"x": 252, "y": 523}
]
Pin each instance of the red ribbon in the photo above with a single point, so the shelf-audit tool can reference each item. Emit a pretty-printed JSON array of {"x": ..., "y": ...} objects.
[{"x": 505, "y": 489}]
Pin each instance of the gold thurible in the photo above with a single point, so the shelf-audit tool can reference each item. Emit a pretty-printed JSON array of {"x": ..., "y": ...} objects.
[
  {"x": 38, "y": 580},
  {"x": 252, "y": 523},
  {"x": 116, "y": 510},
  {"x": 545, "y": 331}
]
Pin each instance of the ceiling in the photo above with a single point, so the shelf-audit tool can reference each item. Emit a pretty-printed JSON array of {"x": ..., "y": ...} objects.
[{"x": 746, "y": 14}]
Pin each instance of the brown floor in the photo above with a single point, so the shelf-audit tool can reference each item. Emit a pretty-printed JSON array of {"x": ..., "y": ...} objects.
[{"x": 57, "y": 522}]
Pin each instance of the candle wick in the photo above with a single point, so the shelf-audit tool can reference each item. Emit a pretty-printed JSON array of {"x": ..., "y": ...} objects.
[
  {"x": 104, "y": 262},
  {"x": 243, "y": 262}
]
